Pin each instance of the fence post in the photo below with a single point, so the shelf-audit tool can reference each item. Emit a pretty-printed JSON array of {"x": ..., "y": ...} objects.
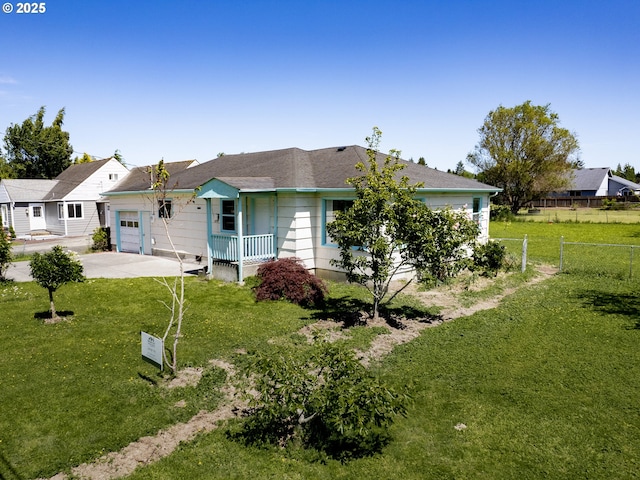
[
  {"x": 524, "y": 254},
  {"x": 631, "y": 264},
  {"x": 561, "y": 252}
]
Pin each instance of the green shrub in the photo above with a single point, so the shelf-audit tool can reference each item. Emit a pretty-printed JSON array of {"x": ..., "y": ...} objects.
[
  {"x": 6, "y": 257},
  {"x": 288, "y": 279},
  {"x": 501, "y": 213},
  {"x": 12, "y": 233},
  {"x": 489, "y": 258},
  {"x": 327, "y": 401},
  {"x": 611, "y": 204},
  {"x": 100, "y": 238}
]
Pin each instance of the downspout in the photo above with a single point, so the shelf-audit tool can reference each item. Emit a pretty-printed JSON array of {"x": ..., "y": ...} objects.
[
  {"x": 240, "y": 240},
  {"x": 209, "y": 238},
  {"x": 275, "y": 227}
]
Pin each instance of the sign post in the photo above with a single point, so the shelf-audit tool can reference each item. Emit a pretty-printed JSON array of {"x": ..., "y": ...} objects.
[{"x": 152, "y": 348}]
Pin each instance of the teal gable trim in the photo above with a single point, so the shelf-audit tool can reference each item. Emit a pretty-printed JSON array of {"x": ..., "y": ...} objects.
[{"x": 218, "y": 189}]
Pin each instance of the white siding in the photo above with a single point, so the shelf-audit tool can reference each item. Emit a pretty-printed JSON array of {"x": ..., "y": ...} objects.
[
  {"x": 297, "y": 222},
  {"x": 187, "y": 225},
  {"x": 21, "y": 219},
  {"x": 98, "y": 182}
]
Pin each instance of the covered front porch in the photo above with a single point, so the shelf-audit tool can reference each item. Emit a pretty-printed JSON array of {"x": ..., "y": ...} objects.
[{"x": 241, "y": 225}]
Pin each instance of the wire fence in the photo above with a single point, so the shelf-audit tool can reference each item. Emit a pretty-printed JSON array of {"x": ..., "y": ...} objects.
[
  {"x": 599, "y": 259},
  {"x": 518, "y": 248},
  {"x": 618, "y": 261}
]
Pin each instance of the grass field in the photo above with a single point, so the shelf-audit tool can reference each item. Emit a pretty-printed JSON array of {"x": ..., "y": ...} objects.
[
  {"x": 546, "y": 384},
  {"x": 582, "y": 215}
]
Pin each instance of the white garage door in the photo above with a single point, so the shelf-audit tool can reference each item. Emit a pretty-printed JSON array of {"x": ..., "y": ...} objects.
[{"x": 129, "y": 232}]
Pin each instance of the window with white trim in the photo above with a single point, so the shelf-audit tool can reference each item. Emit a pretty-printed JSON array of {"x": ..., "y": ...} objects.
[
  {"x": 330, "y": 209},
  {"x": 477, "y": 210},
  {"x": 74, "y": 210},
  {"x": 4, "y": 213}
]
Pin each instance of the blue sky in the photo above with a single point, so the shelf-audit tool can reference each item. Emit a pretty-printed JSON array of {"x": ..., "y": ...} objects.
[{"x": 188, "y": 79}]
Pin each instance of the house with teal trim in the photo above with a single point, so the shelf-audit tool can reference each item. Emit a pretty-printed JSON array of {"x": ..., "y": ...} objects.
[{"x": 235, "y": 211}]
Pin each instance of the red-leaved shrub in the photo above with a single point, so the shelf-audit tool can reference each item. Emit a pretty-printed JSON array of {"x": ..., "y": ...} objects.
[{"x": 287, "y": 278}]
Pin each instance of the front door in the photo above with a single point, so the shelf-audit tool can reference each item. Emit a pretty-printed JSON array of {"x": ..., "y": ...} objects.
[{"x": 37, "y": 220}]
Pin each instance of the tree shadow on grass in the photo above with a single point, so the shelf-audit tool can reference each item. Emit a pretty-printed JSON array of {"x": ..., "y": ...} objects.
[
  {"x": 352, "y": 312},
  {"x": 614, "y": 304},
  {"x": 349, "y": 311},
  {"x": 7, "y": 470},
  {"x": 46, "y": 316},
  {"x": 397, "y": 313}
]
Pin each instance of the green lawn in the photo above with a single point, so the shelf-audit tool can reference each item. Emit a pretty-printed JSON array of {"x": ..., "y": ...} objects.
[
  {"x": 544, "y": 238},
  {"x": 582, "y": 215},
  {"x": 547, "y": 384}
]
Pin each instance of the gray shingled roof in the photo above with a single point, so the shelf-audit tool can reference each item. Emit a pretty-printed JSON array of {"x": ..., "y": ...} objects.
[
  {"x": 588, "y": 178},
  {"x": 73, "y": 176},
  {"x": 28, "y": 189},
  {"x": 138, "y": 178},
  {"x": 294, "y": 168}
]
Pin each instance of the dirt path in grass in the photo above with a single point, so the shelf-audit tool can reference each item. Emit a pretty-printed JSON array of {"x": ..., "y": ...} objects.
[{"x": 149, "y": 449}]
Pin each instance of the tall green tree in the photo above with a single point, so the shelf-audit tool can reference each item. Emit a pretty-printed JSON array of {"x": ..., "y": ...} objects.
[
  {"x": 5, "y": 169},
  {"x": 38, "y": 151},
  {"x": 85, "y": 158},
  {"x": 524, "y": 151},
  {"x": 53, "y": 269},
  {"x": 386, "y": 229}
]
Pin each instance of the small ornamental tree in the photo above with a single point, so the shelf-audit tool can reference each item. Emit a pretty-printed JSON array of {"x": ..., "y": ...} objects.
[
  {"x": 438, "y": 242},
  {"x": 5, "y": 252},
  {"x": 55, "y": 268},
  {"x": 386, "y": 229},
  {"x": 288, "y": 279},
  {"x": 327, "y": 401}
]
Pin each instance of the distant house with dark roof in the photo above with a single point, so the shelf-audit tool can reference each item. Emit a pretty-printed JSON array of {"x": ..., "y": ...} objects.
[
  {"x": 599, "y": 182},
  {"x": 237, "y": 210},
  {"x": 72, "y": 204}
]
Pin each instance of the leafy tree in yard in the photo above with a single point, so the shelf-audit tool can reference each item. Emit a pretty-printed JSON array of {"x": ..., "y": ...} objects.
[
  {"x": 327, "y": 400},
  {"x": 523, "y": 151},
  {"x": 5, "y": 252},
  {"x": 5, "y": 169},
  {"x": 35, "y": 150},
  {"x": 386, "y": 229},
  {"x": 53, "y": 269}
]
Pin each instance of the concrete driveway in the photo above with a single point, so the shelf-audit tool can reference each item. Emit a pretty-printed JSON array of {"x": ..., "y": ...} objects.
[{"x": 116, "y": 265}]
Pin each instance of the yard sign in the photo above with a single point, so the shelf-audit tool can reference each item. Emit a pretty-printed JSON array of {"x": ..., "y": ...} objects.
[{"x": 152, "y": 348}]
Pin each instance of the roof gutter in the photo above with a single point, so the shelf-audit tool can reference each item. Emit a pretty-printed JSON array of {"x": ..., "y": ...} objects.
[{"x": 143, "y": 192}]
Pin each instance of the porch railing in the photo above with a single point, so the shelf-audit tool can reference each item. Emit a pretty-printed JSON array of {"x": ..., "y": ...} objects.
[{"x": 256, "y": 247}]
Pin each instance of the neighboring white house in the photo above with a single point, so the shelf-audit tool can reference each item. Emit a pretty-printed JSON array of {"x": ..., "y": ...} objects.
[
  {"x": 598, "y": 182},
  {"x": 72, "y": 204},
  {"x": 237, "y": 210}
]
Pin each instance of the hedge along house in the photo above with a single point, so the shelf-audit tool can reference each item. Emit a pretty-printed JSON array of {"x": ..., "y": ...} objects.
[
  {"x": 69, "y": 205},
  {"x": 239, "y": 210}
]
